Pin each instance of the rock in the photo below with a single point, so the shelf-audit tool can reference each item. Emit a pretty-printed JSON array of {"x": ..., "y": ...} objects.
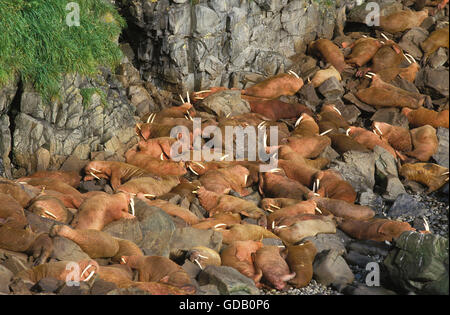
[
  {"x": 81, "y": 289},
  {"x": 394, "y": 188},
  {"x": 411, "y": 40},
  {"x": 47, "y": 285},
  {"x": 272, "y": 242},
  {"x": 228, "y": 280},
  {"x": 125, "y": 229},
  {"x": 329, "y": 153},
  {"x": 67, "y": 250},
  {"x": 407, "y": 205},
  {"x": 349, "y": 112},
  {"x": 439, "y": 58},
  {"x": 331, "y": 269},
  {"x": 331, "y": 89},
  {"x": 208, "y": 289},
  {"x": 441, "y": 156},
  {"x": 16, "y": 263},
  {"x": 419, "y": 263},
  {"x": 40, "y": 224},
  {"x": 358, "y": 169},
  {"x": 355, "y": 258},
  {"x": 361, "y": 289},
  {"x": 228, "y": 102},
  {"x": 326, "y": 242},
  {"x": 20, "y": 287},
  {"x": 435, "y": 82},
  {"x": 128, "y": 291},
  {"x": 309, "y": 95},
  {"x": 361, "y": 105},
  {"x": 5, "y": 279},
  {"x": 385, "y": 163},
  {"x": 372, "y": 200},
  {"x": 157, "y": 229},
  {"x": 191, "y": 268},
  {"x": 185, "y": 238},
  {"x": 102, "y": 287},
  {"x": 391, "y": 116},
  {"x": 368, "y": 247}
]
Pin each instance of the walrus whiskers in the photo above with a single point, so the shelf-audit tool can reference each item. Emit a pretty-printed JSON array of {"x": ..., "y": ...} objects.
[{"x": 50, "y": 214}]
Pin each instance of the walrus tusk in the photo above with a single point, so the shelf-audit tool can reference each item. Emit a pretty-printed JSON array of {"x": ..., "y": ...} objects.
[
  {"x": 227, "y": 115},
  {"x": 200, "y": 98},
  {"x": 281, "y": 227},
  {"x": 190, "y": 117},
  {"x": 194, "y": 192},
  {"x": 325, "y": 132},
  {"x": 339, "y": 112},
  {"x": 123, "y": 260},
  {"x": 318, "y": 210},
  {"x": 388, "y": 243},
  {"x": 368, "y": 76},
  {"x": 245, "y": 179},
  {"x": 224, "y": 157},
  {"x": 446, "y": 173},
  {"x": 407, "y": 58},
  {"x": 148, "y": 119},
  {"x": 269, "y": 210},
  {"x": 50, "y": 214},
  {"x": 201, "y": 92},
  {"x": 378, "y": 129},
  {"x": 196, "y": 260},
  {"x": 412, "y": 58},
  {"x": 316, "y": 194},
  {"x": 182, "y": 99},
  {"x": 199, "y": 164},
  {"x": 220, "y": 224},
  {"x": 188, "y": 99},
  {"x": 85, "y": 269},
  {"x": 261, "y": 124},
  {"x": 371, "y": 73},
  {"x": 273, "y": 225},
  {"x": 347, "y": 132},
  {"x": 425, "y": 224},
  {"x": 138, "y": 126},
  {"x": 95, "y": 170},
  {"x": 162, "y": 156},
  {"x": 265, "y": 140},
  {"x": 148, "y": 195},
  {"x": 201, "y": 256},
  {"x": 90, "y": 276},
  {"x": 314, "y": 187},
  {"x": 273, "y": 206},
  {"x": 298, "y": 121},
  {"x": 317, "y": 183},
  {"x": 193, "y": 170},
  {"x": 294, "y": 74},
  {"x": 365, "y": 36},
  {"x": 384, "y": 36},
  {"x": 132, "y": 206},
  {"x": 94, "y": 175},
  {"x": 274, "y": 170}
]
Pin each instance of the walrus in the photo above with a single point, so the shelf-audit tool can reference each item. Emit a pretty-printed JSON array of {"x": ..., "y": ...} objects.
[
  {"x": 437, "y": 39},
  {"x": 270, "y": 260},
  {"x": 402, "y": 20},
  {"x": 96, "y": 244},
  {"x": 126, "y": 248},
  {"x": 370, "y": 139},
  {"x": 425, "y": 143},
  {"x": 363, "y": 50},
  {"x": 276, "y": 185},
  {"x": 120, "y": 275},
  {"x": 223, "y": 180},
  {"x": 204, "y": 256},
  {"x": 423, "y": 116},
  {"x": 276, "y": 109},
  {"x": 313, "y": 225},
  {"x": 155, "y": 166},
  {"x": 383, "y": 94},
  {"x": 276, "y": 86},
  {"x": 327, "y": 50},
  {"x": 219, "y": 219},
  {"x": 343, "y": 209},
  {"x": 300, "y": 260},
  {"x": 147, "y": 131},
  {"x": 299, "y": 171},
  {"x": 308, "y": 147},
  {"x": 331, "y": 184},
  {"x": 116, "y": 172},
  {"x": 49, "y": 207},
  {"x": 306, "y": 126},
  {"x": 432, "y": 175},
  {"x": 181, "y": 111},
  {"x": 172, "y": 210},
  {"x": 12, "y": 211},
  {"x": 239, "y": 256},
  {"x": 274, "y": 204},
  {"x": 375, "y": 229},
  {"x": 156, "y": 146},
  {"x": 160, "y": 269},
  {"x": 101, "y": 209},
  {"x": 17, "y": 191},
  {"x": 38, "y": 245},
  {"x": 244, "y": 232},
  {"x": 303, "y": 207},
  {"x": 218, "y": 203},
  {"x": 322, "y": 75},
  {"x": 330, "y": 118},
  {"x": 398, "y": 137},
  {"x": 388, "y": 56},
  {"x": 287, "y": 153},
  {"x": 70, "y": 178},
  {"x": 150, "y": 185},
  {"x": 342, "y": 143},
  {"x": 61, "y": 270}
]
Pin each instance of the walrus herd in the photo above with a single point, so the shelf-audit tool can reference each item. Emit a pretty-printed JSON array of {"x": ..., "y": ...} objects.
[{"x": 299, "y": 198}]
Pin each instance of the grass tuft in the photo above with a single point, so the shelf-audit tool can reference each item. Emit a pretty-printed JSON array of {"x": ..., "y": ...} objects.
[{"x": 36, "y": 42}]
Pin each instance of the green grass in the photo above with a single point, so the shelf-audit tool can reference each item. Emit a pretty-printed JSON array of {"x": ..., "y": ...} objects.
[
  {"x": 87, "y": 94},
  {"x": 36, "y": 42}
]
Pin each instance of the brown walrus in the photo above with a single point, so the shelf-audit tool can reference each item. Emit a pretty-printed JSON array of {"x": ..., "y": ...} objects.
[
  {"x": 300, "y": 259},
  {"x": 245, "y": 232},
  {"x": 156, "y": 146},
  {"x": 423, "y": 116},
  {"x": 276, "y": 109},
  {"x": 71, "y": 178},
  {"x": 101, "y": 209},
  {"x": 432, "y": 175},
  {"x": 363, "y": 50},
  {"x": 343, "y": 209},
  {"x": 299, "y": 171},
  {"x": 17, "y": 191},
  {"x": 402, "y": 20},
  {"x": 398, "y": 137},
  {"x": 239, "y": 256},
  {"x": 425, "y": 143},
  {"x": 308, "y": 147},
  {"x": 160, "y": 269},
  {"x": 302, "y": 207},
  {"x": 96, "y": 244},
  {"x": 150, "y": 185},
  {"x": 437, "y": 39},
  {"x": 223, "y": 180},
  {"x": 155, "y": 166},
  {"x": 331, "y": 184},
  {"x": 274, "y": 268},
  {"x": 49, "y": 207},
  {"x": 204, "y": 256},
  {"x": 276, "y": 86},
  {"x": 322, "y": 75},
  {"x": 278, "y": 185},
  {"x": 327, "y": 50},
  {"x": 12, "y": 212}
]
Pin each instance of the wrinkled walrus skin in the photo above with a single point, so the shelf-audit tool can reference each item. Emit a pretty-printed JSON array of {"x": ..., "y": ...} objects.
[
  {"x": 423, "y": 116},
  {"x": 274, "y": 87},
  {"x": 432, "y": 175},
  {"x": 330, "y": 52},
  {"x": 300, "y": 259},
  {"x": 402, "y": 20}
]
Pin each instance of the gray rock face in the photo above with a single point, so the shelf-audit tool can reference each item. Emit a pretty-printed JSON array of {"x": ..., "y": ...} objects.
[
  {"x": 324, "y": 242},
  {"x": 125, "y": 229},
  {"x": 358, "y": 169},
  {"x": 406, "y": 205},
  {"x": 330, "y": 268},
  {"x": 5, "y": 278},
  {"x": 64, "y": 249},
  {"x": 435, "y": 82},
  {"x": 72, "y": 125},
  {"x": 226, "y": 103},
  {"x": 215, "y": 43},
  {"x": 185, "y": 238},
  {"x": 391, "y": 116},
  {"x": 441, "y": 155},
  {"x": 332, "y": 89},
  {"x": 227, "y": 280}
]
